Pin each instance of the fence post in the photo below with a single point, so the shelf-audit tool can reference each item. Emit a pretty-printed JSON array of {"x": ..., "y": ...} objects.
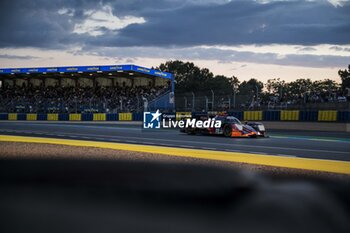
[{"x": 234, "y": 97}]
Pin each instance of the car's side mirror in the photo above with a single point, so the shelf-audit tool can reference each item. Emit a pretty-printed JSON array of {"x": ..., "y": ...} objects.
[{"x": 246, "y": 122}]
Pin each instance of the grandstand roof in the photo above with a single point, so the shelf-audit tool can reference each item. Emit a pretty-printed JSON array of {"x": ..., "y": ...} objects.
[{"x": 88, "y": 69}]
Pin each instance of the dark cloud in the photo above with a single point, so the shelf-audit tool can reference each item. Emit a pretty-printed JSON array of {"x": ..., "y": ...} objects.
[
  {"x": 36, "y": 23},
  {"x": 239, "y": 22},
  {"x": 338, "y": 48},
  {"x": 306, "y": 49},
  {"x": 224, "y": 56},
  {"x": 31, "y": 23},
  {"x": 240, "y": 67}
]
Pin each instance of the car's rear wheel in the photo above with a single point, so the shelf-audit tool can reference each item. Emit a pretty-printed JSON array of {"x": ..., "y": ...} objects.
[{"x": 227, "y": 130}]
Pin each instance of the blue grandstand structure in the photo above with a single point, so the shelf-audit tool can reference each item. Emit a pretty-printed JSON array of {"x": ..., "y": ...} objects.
[{"x": 79, "y": 89}]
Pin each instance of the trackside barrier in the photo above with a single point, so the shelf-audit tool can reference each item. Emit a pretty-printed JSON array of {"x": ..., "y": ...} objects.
[
  {"x": 253, "y": 115},
  {"x": 125, "y": 116},
  {"x": 271, "y": 115},
  {"x": 308, "y": 115},
  {"x": 12, "y": 116},
  {"x": 52, "y": 117},
  {"x": 112, "y": 116},
  {"x": 287, "y": 115},
  {"x": 87, "y": 116},
  {"x": 344, "y": 116},
  {"x": 274, "y": 115},
  {"x": 4, "y": 116},
  {"x": 63, "y": 117},
  {"x": 32, "y": 116},
  {"x": 21, "y": 116},
  {"x": 137, "y": 116},
  {"x": 327, "y": 115},
  {"x": 42, "y": 117},
  {"x": 99, "y": 116},
  {"x": 75, "y": 117}
]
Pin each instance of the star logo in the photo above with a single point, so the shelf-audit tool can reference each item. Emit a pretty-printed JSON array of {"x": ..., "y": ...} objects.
[
  {"x": 151, "y": 120},
  {"x": 156, "y": 115}
]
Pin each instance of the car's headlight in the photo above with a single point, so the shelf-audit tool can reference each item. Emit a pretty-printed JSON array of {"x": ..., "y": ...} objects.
[{"x": 261, "y": 128}]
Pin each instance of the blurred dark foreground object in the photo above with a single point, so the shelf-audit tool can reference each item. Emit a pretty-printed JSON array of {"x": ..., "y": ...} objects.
[{"x": 128, "y": 196}]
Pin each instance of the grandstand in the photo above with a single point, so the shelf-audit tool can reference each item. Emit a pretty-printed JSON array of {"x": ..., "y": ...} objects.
[{"x": 85, "y": 89}]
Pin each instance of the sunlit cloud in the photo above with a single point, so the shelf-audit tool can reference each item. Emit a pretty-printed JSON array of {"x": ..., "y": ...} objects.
[
  {"x": 97, "y": 21},
  {"x": 337, "y": 3}
]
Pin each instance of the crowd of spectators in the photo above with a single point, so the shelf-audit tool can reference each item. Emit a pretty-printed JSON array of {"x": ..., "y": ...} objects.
[
  {"x": 58, "y": 99},
  {"x": 296, "y": 100},
  {"x": 315, "y": 98}
]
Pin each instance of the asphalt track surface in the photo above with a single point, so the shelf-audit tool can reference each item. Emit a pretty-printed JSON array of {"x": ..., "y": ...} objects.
[{"x": 305, "y": 144}]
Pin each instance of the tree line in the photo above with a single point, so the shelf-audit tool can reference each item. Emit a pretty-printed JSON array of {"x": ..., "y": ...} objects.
[{"x": 191, "y": 78}]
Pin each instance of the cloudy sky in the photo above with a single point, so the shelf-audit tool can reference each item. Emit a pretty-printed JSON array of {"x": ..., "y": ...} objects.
[{"x": 249, "y": 39}]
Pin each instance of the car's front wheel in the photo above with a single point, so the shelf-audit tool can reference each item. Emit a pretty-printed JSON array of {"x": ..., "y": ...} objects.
[{"x": 227, "y": 130}]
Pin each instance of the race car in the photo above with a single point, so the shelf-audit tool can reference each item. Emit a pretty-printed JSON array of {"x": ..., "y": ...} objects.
[{"x": 230, "y": 127}]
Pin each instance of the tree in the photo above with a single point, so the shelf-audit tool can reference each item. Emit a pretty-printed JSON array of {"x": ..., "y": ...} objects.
[
  {"x": 250, "y": 87},
  {"x": 190, "y": 77},
  {"x": 220, "y": 84},
  {"x": 187, "y": 75},
  {"x": 234, "y": 82},
  {"x": 345, "y": 78},
  {"x": 325, "y": 85},
  {"x": 275, "y": 86},
  {"x": 299, "y": 87}
]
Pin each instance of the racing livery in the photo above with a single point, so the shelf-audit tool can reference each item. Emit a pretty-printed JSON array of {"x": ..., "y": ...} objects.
[{"x": 230, "y": 127}]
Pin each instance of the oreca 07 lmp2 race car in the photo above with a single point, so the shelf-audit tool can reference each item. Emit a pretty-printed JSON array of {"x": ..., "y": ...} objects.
[{"x": 230, "y": 127}]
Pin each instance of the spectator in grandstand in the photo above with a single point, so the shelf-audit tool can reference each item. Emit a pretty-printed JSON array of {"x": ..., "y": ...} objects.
[{"x": 53, "y": 99}]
